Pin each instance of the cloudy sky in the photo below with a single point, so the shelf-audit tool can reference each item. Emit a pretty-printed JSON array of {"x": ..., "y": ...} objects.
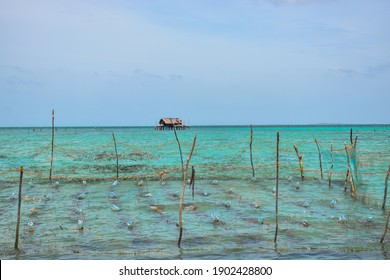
[{"x": 131, "y": 62}]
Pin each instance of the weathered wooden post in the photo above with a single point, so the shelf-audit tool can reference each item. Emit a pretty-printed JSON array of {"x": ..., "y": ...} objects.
[
  {"x": 300, "y": 162},
  {"x": 52, "y": 145},
  {"x": 181, "y": 154},
  {"x": 183, "y": 188},
  {"x": 386, "y": 226},
  {"x": 192, "y": 182},
  {"x": 349, "y": 173},
  {"x": 116, "y": 154},
  {"x": 277, "y": 189},
  {"x": 331, "y": 166},
  {"x": 350, "y": 135},
  {"x": 251, "y": 157},
  {"x": 319, "y": 156},
  {"x": 386, "y": 185},
  {"x": 21, "y": 170}
]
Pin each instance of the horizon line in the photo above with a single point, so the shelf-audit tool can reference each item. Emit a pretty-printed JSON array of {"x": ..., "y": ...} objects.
[{"x": 203, "y": 125}]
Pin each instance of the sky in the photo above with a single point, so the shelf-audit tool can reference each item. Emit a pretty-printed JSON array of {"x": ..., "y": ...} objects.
[{"x": 215, "y": 62}]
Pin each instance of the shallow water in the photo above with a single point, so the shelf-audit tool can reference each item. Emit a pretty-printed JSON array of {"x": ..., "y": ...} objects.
[{"x": 315, "y": 221}]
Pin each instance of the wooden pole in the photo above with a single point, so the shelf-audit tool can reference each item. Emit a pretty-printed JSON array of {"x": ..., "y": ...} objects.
[
  {"x": 52, "y": 145},
  {"x": 300, "y": 162},
  {"x": 386, "y": 185},
  {"x": 349, "y": 174},
  {"x": 250, "y": 147},
  {"x": 277, "y": 188},
  {"x": 319, "y": 156},
  {"x": 386, "y": 226},
  {"x": 183, "y": 187},
  {"x": 355, "y": 167},
  {"x": 181, "y": 154},
  {"x": 116, "y": 154},
  {"x": 21, "y": 170},
  {"x": 331, "y": 166},
  {"x": 350, "y": 135},
  {"x": 192, "y": 182}
]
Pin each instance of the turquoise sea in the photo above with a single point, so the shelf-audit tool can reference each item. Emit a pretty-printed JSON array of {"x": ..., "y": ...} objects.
[{"x": 84, "y": 214}]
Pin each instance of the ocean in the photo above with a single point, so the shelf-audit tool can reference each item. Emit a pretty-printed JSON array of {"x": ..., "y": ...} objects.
[{"x": 93, "y": 208}]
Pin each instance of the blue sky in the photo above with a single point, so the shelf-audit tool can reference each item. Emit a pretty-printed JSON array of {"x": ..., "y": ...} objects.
[{"x": 131, "y": 62}]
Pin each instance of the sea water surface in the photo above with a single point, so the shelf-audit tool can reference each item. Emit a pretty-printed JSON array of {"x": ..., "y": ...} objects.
[{"x": 85, "y": 212}]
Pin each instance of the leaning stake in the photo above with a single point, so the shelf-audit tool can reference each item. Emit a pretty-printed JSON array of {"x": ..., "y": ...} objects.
[
  {"x": 19, "y": 206},
  {"x": 349, "y": 173},
  {"x": 319, "y": 156},
  {"x": 277, "y": 187},
  {"x": 183, "y": 188},
  {"x": 300, "y": 163},
  {"x": 386, "y": 226},
  {"x": 181, "y": 154},
  {"x": 386, "y": 185}
]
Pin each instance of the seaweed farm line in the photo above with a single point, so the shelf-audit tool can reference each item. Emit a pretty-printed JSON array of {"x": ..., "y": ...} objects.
[{"x": 115, "y": 193}]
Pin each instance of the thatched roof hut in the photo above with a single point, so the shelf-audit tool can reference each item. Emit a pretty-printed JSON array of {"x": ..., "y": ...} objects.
[{"x": 170, "y": 123}]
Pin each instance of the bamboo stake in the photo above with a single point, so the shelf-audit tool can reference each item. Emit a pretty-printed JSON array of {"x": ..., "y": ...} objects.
[
  {"x": 319, "y": 156},
  {"x": 331, "y": 166},
  {"x": 354, "y": 151},
  {"x": 277, "y": 188},
  {"x": 300, "y": 162},
  {"x": 250, "y": 147},
  {"x": 19, "y": 206},
  {"x": 349, "y": 174},
  {"x": 350, "y": 135},
  {"x": 117, "y": 160},
  {"x": 386, "y": 226},
  {"x": 183, "y": 190},
  {"x": 181, "y": 154},
  {"x": 346, "y": 180},
  {"x": 192, "y": 182},
  {"x": 52, "y": 145},
  {"x": 386, "y": 185}
]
